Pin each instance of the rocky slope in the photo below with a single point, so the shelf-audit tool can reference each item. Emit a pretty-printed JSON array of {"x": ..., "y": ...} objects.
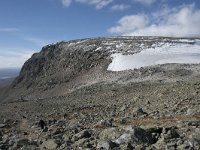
[
  {"x": 65, "y": 98},
  {"x": 63, "y": 67}
]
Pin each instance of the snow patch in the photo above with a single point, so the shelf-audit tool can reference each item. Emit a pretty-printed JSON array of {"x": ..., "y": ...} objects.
[
  {"x": 186, "y": 40},
  {"x": 179, "y": 53},
  {"x": 99, "y": 48}
]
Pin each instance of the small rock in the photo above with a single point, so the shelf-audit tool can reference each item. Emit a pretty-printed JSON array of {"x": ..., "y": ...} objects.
[
  {"x": 45, "y": 129},
  {"x": 2, "y": 125},
  {"x": 110, "y": 134},
  {"x": 124, "y": 138},
  {"x": 29, "y": 147},
  {"x": 83, "y": 134},
  {"x": 107, "y": 145},
  {"x": 123, "y": 108},
  {"x": 139, "y": 112},
  {"x": 22, "y": 142},
  {"x": 49, "y": 144},
  {"x": 107, "y": 122},
  {"x": 183, "y": 146},
  {"x": 194, "y": 123},
  {"x": 139, "y": 135},
  {"x": 66, "y": 137},
  {"x": 123, "y": 120},
  {"x": 171, "y": 146},
  {"x": 80, "y": 142},
  {"x": 191, "y": 111},
  {"x": 171, "y": 134}
]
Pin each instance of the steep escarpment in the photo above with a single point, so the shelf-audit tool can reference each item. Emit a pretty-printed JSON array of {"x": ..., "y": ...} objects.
[{"x": 56, "y": 64}]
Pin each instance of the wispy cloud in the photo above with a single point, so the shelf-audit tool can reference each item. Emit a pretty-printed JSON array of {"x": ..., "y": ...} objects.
[
  {"x": 66, "y": 3},
  {"x": 119, "y": 7},
  {"x": 145, "y": 2},
  {"x": 14, "y": 57},
  {"x": 183, "y": 22},
  {"x": 98, "y": 4},
  {"x": 9, "y": 29}
]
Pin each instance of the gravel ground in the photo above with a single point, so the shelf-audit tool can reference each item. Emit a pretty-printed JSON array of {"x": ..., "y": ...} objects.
[{"x": 156, "y": 107}]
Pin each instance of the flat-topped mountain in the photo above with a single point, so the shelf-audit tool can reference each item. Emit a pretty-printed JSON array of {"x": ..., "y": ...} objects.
[{"x": 66, "y": 66}]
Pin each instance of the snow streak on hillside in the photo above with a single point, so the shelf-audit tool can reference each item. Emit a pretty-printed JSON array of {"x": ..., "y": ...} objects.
[{"x": 185, "y": 53}]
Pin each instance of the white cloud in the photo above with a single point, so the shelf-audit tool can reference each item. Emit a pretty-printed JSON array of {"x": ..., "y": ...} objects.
[
  {"x": 130, "y": 23},
  {"x": 9, "y": 29},
  {"x": 176, "y": 22},
  {"x": 145, "y": 2},
  {"x": 120, "y": 7},
  {"x": 99, "y": 4},
  {"x": 14, "y": 57},
  {"x": 66, "y": 3}
]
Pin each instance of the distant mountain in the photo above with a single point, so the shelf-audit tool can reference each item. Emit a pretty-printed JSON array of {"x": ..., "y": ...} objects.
[
  {"x": 7, "y": 76},
  {"x": 5, "y": 82},
  {"x": 6, "y": 73}
]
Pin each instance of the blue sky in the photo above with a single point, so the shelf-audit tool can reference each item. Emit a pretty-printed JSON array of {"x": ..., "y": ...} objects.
[{"x": 27, "y": 25}]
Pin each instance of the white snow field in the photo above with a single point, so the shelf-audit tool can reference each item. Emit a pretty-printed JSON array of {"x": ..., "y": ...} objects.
[{"x": 184, "y": 53}]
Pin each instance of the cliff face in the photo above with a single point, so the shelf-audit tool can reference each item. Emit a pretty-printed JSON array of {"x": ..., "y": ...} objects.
[
  {"x": 66, "y": 66},
  {"x": 56, "y": 64},
  {"x": 63, "y": 61}
]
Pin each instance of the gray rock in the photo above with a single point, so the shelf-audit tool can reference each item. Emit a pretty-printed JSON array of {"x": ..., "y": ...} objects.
[
  {"x": 194, "y": 140},
  {"x": 179, "y": 142},
  {"x": 123, "y": 108},
  {"x": 194, "y": 123},
  {"x": 183, "y": 147},
  {"x": 139, "y": 112},
  {"x": 171, "y": 133},
  {"x": 83, "y": 134},
  {"x": 80, "y": 142},
  {"x": 110, "y": 134},
  {"x": 49, "y": 144},
  {"x": 122, "y": 135},
  {"x": 124, "y": 138},
  {"x": 30, "y": 147},
  {"x": 139, "y": 135},
  {"x": 194, "y": 143},
  {"x": 106, "y": 122},
  {"x": 107, "y": 145},
  {"x": 123, "y": 120},
  {"x": 126, "y": 146},
  {"x": 103, "y": 145},
  {"x": 2, "y": 125},
  {"x": 171, "y": 146},
  {"x": 191, "y": 111},
  {"x": 66, "y": 137},
  {"x": 22, "y": 142}
]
